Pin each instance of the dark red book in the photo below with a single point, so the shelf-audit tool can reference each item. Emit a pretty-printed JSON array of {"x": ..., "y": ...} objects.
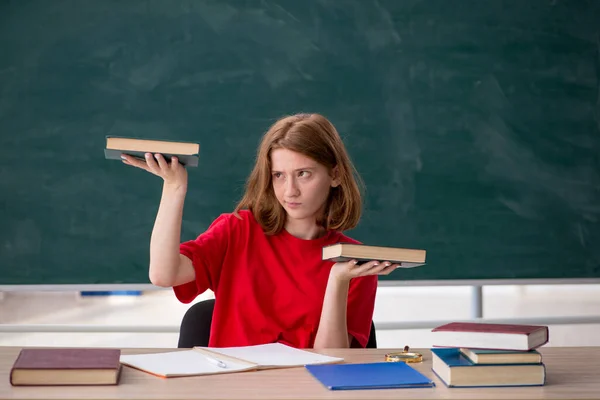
[
  {"x": 490, "y": 336},
  {"x": 66, "y": 366}
]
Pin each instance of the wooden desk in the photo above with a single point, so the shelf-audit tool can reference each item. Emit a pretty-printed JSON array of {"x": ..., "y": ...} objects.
[{"x": 572, "y": 373}]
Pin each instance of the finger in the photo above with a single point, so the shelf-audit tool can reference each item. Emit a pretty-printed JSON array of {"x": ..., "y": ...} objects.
[
  {"x": 362, "y": 269},
  {"x": 152, "y": 165},
  {"x": 376, "y": 270},
  {"x": 174, "y": 163},
  {"x": 162, "y": 163},
  {"x": 134, "y": 161},
  {"x": 388, "y": 270}
]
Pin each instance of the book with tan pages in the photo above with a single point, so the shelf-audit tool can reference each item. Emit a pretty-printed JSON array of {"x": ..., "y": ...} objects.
[
  {"x": 66, "y": 366},
  {"x": 485, "y": 356},
  {"x": 341, "y": 252},
  {"x": 456, "y": 370},
  {"x": 223, "y": 360},
  {"x": 186, "y": 152}
]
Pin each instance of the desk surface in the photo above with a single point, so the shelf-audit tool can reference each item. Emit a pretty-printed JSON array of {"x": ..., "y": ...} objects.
[{"x": 572, "y": 372}]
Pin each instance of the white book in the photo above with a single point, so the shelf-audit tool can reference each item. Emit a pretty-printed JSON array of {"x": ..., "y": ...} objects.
[{"x": 223, "y": 360}]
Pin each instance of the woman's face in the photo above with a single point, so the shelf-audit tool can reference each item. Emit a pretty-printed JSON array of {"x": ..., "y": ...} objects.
[{"x": 300, "y": 183}]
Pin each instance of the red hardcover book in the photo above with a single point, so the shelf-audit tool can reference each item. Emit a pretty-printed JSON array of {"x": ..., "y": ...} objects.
[
  {"x": 66, "y": 366},
  {"x": 490, "y": 336}
]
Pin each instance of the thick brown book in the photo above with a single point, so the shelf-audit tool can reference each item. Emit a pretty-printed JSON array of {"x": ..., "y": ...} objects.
[
  {"x": 66, "y": 366},
  {"x": 341, "y": 252},
  {"x": 186, "y": 152},
  {"x": 478, "y": 335}
]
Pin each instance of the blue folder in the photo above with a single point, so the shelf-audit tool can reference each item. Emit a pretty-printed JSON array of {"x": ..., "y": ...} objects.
[{"x": 384, "y": 375}]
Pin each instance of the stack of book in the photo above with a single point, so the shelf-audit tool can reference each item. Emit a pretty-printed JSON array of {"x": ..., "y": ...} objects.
[{"x": 467, "y": 354}]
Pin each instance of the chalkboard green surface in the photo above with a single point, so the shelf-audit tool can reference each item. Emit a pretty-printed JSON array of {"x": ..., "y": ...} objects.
[{"x": 475, "y": 125}]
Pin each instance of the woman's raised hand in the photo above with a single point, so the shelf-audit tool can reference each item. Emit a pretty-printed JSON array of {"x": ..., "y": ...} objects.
[
  {"x": 347, "y": 270},
  {"x": 173, "y": 173}
]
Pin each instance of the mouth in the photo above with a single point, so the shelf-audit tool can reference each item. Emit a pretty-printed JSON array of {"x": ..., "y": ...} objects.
[{"x": 292, "y": 204}]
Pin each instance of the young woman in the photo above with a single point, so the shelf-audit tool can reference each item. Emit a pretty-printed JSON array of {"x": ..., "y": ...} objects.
[{"x": 263, "y": 261}]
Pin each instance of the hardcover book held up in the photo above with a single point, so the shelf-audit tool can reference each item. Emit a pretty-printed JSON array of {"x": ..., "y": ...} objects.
[
  {"x": 66, "y": 366},
  {"x": 490, "y": 336},
  {"x": 186, "y": 152},
  {"x": 341, "y": 252},
  {"x": 223, "y": 360}
]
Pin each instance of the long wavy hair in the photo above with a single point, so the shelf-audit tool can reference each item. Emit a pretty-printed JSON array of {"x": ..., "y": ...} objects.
[{"x": 313, "y": 136}]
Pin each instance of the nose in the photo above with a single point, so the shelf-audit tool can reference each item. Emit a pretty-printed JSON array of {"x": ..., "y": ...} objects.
[{"x": 291, "y": 188}]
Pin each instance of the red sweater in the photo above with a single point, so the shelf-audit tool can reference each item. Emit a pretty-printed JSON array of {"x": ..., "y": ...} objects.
[{"x": 268, "y": 288}]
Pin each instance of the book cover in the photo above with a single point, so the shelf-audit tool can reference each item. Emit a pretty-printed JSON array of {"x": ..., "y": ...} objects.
[
  {"x": 66, "y": 366},
  {"x": 341, "y": 252},
  {"x": 382, "y": 375},
  {"x": 456, "y": 370},
  {"x": 490, "y": 336}
]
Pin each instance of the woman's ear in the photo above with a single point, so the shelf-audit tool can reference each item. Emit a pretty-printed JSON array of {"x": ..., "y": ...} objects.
[{"x": 335, "y": 175}]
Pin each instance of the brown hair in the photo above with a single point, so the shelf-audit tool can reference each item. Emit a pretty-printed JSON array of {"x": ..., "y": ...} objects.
[{"x": 313, "y": 136}]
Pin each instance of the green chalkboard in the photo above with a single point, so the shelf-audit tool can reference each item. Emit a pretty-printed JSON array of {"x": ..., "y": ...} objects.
[{"x": 475, "y": 125}]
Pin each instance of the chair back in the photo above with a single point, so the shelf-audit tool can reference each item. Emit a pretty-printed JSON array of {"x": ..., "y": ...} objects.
[{"x": 195, "y": 326}]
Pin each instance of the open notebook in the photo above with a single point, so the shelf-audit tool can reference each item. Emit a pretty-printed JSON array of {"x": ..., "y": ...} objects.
[{"x": 222, "y": 360}]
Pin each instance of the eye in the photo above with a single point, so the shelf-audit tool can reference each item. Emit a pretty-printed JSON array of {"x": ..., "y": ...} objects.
[
  {"x": 277, "y": 175},
  {"x": 303, "y": 174}
]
